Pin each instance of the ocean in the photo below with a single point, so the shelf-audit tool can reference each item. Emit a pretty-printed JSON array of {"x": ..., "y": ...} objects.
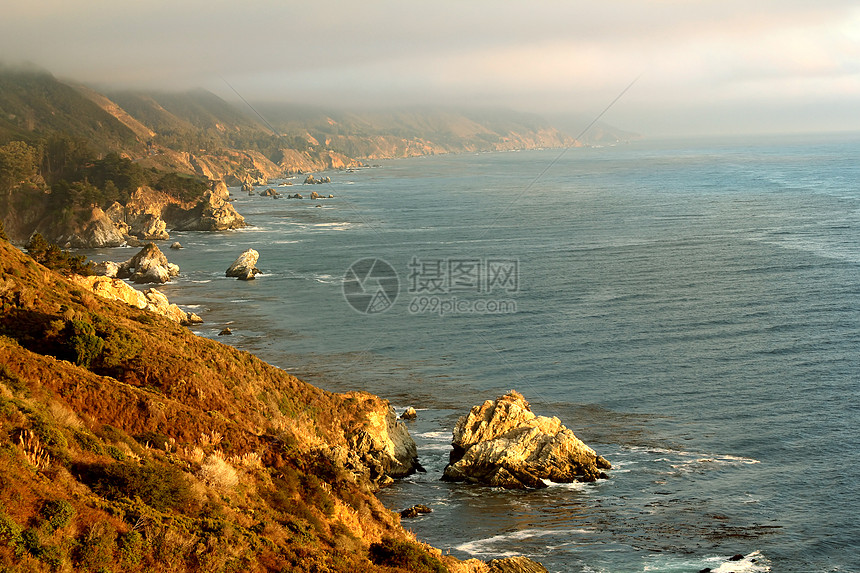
[{"x": 690, "y": 309}]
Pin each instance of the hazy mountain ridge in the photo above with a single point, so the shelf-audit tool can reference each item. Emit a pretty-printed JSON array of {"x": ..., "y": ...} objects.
[{"x": 68, "y": 151}]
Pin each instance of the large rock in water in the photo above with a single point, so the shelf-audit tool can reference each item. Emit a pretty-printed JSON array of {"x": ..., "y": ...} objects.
[
  {"x": 504, "y": 444},
  {"x": 148, "y": 266},
  {"x": 244, "y": 267}
]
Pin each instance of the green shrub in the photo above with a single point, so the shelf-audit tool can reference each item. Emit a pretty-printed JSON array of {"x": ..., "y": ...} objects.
[
  {"x": 53, "y": 257},
  {"x": 159, "y": 486},
  {"x": 84, "y": 344},
  {"x": 131, "y": 546},
  {"x": 57, "y": 513},
  {"x": 10, "y": 534},
  {"x": 89, "y": 443},
  {"x": 115, "y": 453},
  {"x": 392, "y": 552},
  {"x": 96, "y": 548}
]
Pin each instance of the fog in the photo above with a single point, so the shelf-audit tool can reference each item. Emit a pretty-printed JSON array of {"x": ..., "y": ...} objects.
[{"x": 703, "y": 66}]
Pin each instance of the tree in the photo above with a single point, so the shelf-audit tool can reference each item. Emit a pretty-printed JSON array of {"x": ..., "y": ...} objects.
[{"x": 18, "y": 164}]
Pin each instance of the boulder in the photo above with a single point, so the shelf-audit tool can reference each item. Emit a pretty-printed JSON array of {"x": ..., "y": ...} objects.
[
  {"x": 415, "y": 510},
  {"x": 176, "y": 245},
  {"x": 409, "y": 414},
  {"x": 148, "y": 266},
  {"x": 270, "y": 193},
  {"x": 151, "y": 299},
  {"x": 225, "y": 332},
  {"x": 244, "y": 267},
  {"x": 106, "y": 269},
  {"x": 503, "y": 443}
]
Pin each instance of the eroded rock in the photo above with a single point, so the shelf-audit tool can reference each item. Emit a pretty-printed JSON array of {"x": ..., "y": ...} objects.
[
  {"x": 244, "y": 267},
  {"x": 151, "y": 299},
  {"x": 503, "y": 443},
  {"x": 148, "y": 266}
]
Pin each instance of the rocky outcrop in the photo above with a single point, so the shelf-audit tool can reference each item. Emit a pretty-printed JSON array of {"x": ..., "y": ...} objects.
[
  {"x": 311, "y": 180},
  {"x": 381, "y": 449},
  {"x": 142, "y": 215},
  {"x": 148, "y": 266},
  {"x": 270, "y": 193},
  {"x": 504, "y": 444},
  {"x": 213, "y": 213},
  {"x": 515, "y": 565},
  {"x": 244, "y": 267},
  {"x": 98, "y": 231},
  {"x": 150, "y": 299}
]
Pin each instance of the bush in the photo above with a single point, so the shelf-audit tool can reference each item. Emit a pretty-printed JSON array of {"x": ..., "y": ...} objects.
[
  {"x": 392, "y": 552},
  {"x": 131, "y": 546},
  {"x": 84, "y": 343},
  {"x": 159, "y": 486},
  {"x": 57, "y": 513},
  {"x": 10, "y": 534}
]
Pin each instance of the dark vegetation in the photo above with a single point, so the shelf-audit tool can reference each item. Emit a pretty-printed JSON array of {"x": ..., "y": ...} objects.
[{"x": 129, "y": 444}]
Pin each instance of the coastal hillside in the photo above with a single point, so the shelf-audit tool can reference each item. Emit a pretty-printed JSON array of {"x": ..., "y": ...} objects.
[{"x": 128, "y": 443}]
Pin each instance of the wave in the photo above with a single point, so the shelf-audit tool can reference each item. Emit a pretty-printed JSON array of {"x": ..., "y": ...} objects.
[
  {"x": 753, "y": 562},
  {"x": 485, "y": 546}
]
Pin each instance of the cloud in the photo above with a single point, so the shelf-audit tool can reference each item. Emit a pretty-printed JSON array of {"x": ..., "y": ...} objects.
[{"x": 538, "y": 55}]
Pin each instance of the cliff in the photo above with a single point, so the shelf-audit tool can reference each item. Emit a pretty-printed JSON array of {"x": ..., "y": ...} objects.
[{"x": 128, "y": 443}]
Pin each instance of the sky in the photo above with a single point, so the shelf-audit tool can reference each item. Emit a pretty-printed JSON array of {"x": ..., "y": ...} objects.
[{"x": 700, "y": 67}]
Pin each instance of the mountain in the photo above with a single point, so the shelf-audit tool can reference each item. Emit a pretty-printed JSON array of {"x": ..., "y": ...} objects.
[
  {"x": 69, "y": 152},
  {"x": 34, "y": 104}
]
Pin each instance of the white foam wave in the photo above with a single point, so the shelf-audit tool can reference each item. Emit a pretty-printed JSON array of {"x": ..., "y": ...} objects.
[
  {"x": 486, "y": 546},
  {"x": 438, "y": 435},
  {"x": 339, "y": 226},
  {"x": 755, "y": 562}
]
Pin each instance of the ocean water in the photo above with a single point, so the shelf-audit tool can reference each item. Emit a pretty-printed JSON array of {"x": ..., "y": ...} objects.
[{"x": 690, "y": 309}]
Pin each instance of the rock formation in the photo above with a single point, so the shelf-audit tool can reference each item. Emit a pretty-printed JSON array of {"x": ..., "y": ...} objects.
[
  {"x": 213, "y": 213},
  {"x": 151, "y": 299},
  {"x": 311, "y": 180},
  {"x": 244, "y": 267},
  {"x": 381, "y": 449},
  {"x": 148, "y": 266},
  {"x": 97, "y": 231},
  {"x": 504, "y": 444},
  {"x": 415, "y": 510}
]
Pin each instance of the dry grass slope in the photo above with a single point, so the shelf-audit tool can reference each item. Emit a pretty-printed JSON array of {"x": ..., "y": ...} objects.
[{"x": 129, "y": 444}]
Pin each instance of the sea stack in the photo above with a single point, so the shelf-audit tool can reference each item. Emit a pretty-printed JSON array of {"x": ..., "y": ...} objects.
[
  {"x": 244, "y": 267},
  {"x": 502, "y": 443}
]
